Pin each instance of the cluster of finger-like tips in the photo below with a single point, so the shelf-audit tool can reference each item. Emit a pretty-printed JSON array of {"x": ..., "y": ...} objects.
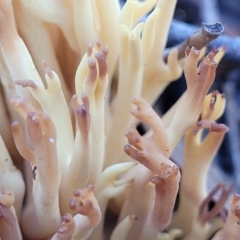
[
  {"x": 87, "y": 212},
  {"x": 153, "y": 149},
  {"x": 204, "y": 214},
  {"x": 231, "y": 227},
  {"x": 69, "y": 125},
  {"x": 198, "y": 155},
  {"x": 66, "y": 229}
]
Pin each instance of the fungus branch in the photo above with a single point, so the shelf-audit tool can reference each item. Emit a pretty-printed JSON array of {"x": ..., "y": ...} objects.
[
  {"x": 130, "y": 75},
  {"x": 77, "y": 173},
  {"x": 198, "y": 83},
  {"x": 202, "y": 228},
  {"x": 28, "y": 19},
  {"x": 158, "y": 138},
  {"x": 56, "y": 12},
  {"x": 142, "y": 189},
  {"x": 66, "y": 229},
  {"x": 198, "y": 155},
  {"x": 88, "y": 214},
  {"x": 166, "y": 189},
  {"x": 45, "y": 202},
  {"x": 150, "y": 220},
  {"x": 213, "y": 106},
  {"x": 92, "y": 79},
  {"x": 167, "y": 117},
  {"x": 102, "y": 19},
  {"x": 153, "y": 44},
  {"x": 173, "y": 234},
  {"x": 55, "y": 106},
  {"x": 15, "y": 52},
  {"x": 231, "y": 229},
  {"x": 153, "y": 149},
  {"x": 197, "y": 159},
  {"x": 108, "y": 187},
  {"x": 122, "y": 229},
  {"x": 11, "y": 178}
]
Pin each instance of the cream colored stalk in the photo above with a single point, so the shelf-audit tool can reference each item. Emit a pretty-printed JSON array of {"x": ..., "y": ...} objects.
[
  {"x": 23, "y": 149},
  {"x": 88, "y": 214},
  {"x": 133, "y": 11},
  {"x": 6, "y": 82},
  {"x": 149, "y": 157},
  {"x": 143, "y": 52},
  {"x": 140, "y": 189},
  {"x": 7, "y": 198},
  {"x": 167, "y": 117},
  {"x": 166, "y": 189},
  {"x": 77, "y": 173},
  {"x": 108, "y": 187},
  {"x": 205, "y": 225},
  {"x": 54, "y": 104},
  {"x": 46, "y": 176},
  {"x": 158, "y": 138},
  {"x": 10, "y": 92},
  {"x": 11, "y": 178},
  {"x": 151, "y": 213},
  {"x": 143, "y": 8},
  {"x": 102, "y": 23},
  {"x": 23, "y": 107},
  {"x": 158, "y": 74},
  {"x": 108, "y": 32},
  {"x": 5, "y": 127},
  {"x": 56, "y": 12},
  {"x": 197, "y": 159},
  {"x": 173, "y": 234},
  {"x": 198, "y": 83},
  {"x": 92, "y": 79},
  {"x": 85, "y": 10},
  {"x": 120, "y": 232},
  {"x": 66, "y": 230},
  {"x": 213, "y": 106},
  {"x": 130, "y": 75},
  {"x": 198, "y": 156},
  {"x": 231, "y": 228},
  {"x": 14, "y": 51},
  {"x": 153, "y": 149},
  {"x": 220, "y": 54},
  {"x": 39, "y": 42}
]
